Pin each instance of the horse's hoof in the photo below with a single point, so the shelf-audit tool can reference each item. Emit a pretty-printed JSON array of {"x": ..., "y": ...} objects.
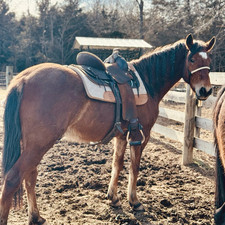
[
  {"x": 40, "y": 221},
  {"x": 3, "y": 222},
  {"x": 137, "y": 207},
  {"x": 110, "y": 197},
  {"x": 115, "y": 204}
]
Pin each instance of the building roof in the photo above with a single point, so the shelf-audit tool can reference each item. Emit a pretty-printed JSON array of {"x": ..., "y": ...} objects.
[{"x": 109, "y": 43}]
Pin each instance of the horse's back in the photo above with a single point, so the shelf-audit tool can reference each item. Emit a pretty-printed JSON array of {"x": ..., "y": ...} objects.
[{"x": 35, "y": 70}]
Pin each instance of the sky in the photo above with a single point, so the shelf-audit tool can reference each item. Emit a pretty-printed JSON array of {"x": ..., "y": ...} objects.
[{"x": 21, "y": 7}]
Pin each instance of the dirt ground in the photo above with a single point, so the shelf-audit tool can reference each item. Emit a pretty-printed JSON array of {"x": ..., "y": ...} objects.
[{"x": 73, "y": 181}]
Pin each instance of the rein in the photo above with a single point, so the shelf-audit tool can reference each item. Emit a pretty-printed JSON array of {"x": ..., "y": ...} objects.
[{"x": 200, "y": 68}]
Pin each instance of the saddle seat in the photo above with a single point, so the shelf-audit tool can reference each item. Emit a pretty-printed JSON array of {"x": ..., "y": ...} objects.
[{"x": 94, "y": 66}]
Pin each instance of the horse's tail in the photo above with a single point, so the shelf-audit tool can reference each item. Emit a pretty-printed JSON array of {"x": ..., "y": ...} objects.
[{"x": 12, "y": 135}]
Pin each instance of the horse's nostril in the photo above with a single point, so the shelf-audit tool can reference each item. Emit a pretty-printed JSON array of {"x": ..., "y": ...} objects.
[
  {"x": 202, "y": 91},
  {"x": 205, "y": 93},
  {"x": 210, "y": 91}
]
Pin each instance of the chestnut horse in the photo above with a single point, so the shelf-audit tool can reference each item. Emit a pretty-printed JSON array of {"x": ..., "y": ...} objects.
[
  {"x": 48, "y": 100},
  {"x": 219, "y": 140}
]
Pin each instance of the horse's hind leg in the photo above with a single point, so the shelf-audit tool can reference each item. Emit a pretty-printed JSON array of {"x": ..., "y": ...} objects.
[
  {"x": 11, "y": 184},
  {"x": 33, "y": 212},
  {"x": 26, "y": 163},
  {"x": 117, "y": 166}
]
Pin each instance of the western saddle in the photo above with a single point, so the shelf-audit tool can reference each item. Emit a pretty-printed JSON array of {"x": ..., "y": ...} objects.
[{"x": 115, "y": 73}]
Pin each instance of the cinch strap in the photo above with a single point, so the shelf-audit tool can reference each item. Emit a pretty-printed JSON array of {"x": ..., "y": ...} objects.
[{"x": 201, "y": 68}]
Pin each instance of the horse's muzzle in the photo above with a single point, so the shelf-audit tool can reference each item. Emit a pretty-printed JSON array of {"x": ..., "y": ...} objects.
[{"x": 203, "y": 94}]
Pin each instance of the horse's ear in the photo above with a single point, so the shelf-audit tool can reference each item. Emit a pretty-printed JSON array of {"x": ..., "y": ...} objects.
[
  {"x": 210, "y": 44},
  {"x": 189, "y": 41}
]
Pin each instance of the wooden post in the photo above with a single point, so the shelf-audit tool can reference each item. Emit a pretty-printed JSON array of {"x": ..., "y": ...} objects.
[
  {"x": 198, "y": 113},
  {"x": 8, "y": 75},
  {"x": 189, "y": 126}
]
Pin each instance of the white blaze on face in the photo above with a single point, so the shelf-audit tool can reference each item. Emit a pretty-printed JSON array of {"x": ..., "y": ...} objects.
[{"x": 203, "y": 55}]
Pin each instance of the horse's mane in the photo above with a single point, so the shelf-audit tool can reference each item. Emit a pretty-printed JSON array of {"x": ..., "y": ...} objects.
[
  {"x": 160, "y": 63},
  {"x": 162, "y": 49},
  {"x": 155, "y": 64}
]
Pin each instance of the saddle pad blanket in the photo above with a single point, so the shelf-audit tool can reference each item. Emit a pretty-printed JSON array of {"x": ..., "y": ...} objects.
[{"x": 104, "y": 93}]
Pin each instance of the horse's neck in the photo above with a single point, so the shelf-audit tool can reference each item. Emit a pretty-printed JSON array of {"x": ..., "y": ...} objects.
[
  {"x": 162, "y": 72},
  {"x": 168, "y": 83}
]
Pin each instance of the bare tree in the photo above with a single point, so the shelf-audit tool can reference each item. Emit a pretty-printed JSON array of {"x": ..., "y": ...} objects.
[{"x": 141, "y": 17}]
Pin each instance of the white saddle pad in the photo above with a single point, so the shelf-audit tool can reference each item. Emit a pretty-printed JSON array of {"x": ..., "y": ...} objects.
[{"x": 104, "y": 93}]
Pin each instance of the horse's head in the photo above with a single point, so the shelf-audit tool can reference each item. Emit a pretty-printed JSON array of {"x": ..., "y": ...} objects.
[{"x": 198, "y": 66}]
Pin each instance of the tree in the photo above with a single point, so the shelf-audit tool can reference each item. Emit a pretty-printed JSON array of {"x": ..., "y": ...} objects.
[
  {"x": 27, "y": 50},
  {"x": 105, "y": 20},
  {"x": 7, "y": 34},
  {"x": 49, "y": 37},
  {"x": 73, "y": 22},
  {"x": 141, "y": 15},
  {"x": 58, "y": 26}
]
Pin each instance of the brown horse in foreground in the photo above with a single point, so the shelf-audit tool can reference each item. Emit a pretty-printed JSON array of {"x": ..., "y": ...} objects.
[
  {"x": 219, "y": 140},
  {"x": 48, "y": 100}
]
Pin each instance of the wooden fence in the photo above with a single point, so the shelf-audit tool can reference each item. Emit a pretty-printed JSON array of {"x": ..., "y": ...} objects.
[
  {"x": 6, "y": 77},
  {"x": 2, "y": 79},
  {"x": 191, "y": 119}
]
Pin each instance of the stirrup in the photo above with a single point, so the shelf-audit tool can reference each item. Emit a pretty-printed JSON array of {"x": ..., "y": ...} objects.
[{"x": 135, "y": 143}]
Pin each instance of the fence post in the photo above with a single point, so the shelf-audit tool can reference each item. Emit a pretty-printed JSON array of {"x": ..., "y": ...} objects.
[
  {"x": 8, "y": 75},
  {"x": 189, "y": 126},
  {"x": 198, "y": 113}
]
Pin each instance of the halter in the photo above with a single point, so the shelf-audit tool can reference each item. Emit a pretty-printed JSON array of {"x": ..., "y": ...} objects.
[
  {"x": 196, "y": 70},
  {"x": 200, "y": 68}
]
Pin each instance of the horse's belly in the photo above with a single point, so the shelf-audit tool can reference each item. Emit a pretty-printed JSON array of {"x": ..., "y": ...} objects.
[
  {"x": 90, "y": 134},
  {"x": 74, "y": 136},
  {"x": 92, "y": 123}
]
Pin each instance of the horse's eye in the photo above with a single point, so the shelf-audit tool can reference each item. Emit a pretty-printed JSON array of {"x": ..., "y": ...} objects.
[{"x": 192, "y": 60}]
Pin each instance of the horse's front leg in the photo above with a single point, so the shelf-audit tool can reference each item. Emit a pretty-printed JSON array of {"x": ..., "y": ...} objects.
[
  {"x": 135, "y": 157},
  {"x": 117, "y": 166}
]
